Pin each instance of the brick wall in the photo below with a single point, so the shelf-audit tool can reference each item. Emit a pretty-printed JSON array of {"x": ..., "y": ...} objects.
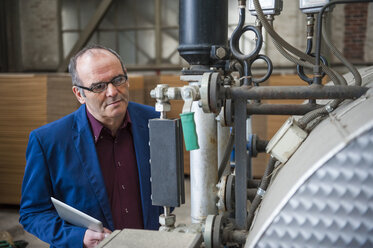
[{"x": 355, "y": 31}]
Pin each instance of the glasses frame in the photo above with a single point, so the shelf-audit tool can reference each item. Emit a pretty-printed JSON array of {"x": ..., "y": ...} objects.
[{"x": 112, "y": 81}]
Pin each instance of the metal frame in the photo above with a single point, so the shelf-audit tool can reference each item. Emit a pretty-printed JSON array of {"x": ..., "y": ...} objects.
[{"x": 86, "y": 33}]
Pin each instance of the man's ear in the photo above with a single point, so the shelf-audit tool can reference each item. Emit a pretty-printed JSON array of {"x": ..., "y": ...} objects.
[{"x": 78, "y": 95}]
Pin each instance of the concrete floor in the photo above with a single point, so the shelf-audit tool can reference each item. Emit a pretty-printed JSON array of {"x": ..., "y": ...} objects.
[{"x": 9, "y": 216}]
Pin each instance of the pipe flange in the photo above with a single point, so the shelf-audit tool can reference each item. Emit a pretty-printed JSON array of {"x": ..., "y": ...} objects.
[
  {"x": 229, "y": 194},
  {"x": 221, "y": 193},
  {"x": 214, "y": 102},
  {"x": 204, "y": 91},
  {"x": 217, "y": 234},
  {"x": 208, "y": 231}
]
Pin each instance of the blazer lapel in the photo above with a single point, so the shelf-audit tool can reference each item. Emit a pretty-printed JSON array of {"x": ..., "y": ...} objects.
[
  {"x": 140, "y": 140},
  {"x": 84, "y": 144}
]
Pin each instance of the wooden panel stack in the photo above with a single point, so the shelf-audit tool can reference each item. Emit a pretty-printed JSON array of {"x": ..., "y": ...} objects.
[
  {"x": 27, "y": 101},
  {"x": 137, "y": 92}
]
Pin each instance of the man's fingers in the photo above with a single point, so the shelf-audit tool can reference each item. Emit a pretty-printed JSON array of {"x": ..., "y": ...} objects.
[
  {"x": 97, "y": 235},
  {"x": 92, "y": 238}
]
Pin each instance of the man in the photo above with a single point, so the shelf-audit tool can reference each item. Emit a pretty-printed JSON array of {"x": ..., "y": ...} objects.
[{"x": 95, "y": 159}]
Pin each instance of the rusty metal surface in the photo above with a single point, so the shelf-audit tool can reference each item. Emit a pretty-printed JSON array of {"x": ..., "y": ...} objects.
[
  {"x": 280, "y": 109},
  {"x": 296, "y": 92}
]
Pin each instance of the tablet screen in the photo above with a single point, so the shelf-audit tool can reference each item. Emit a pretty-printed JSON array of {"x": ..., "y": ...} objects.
[{"x": 76, "y": 217}]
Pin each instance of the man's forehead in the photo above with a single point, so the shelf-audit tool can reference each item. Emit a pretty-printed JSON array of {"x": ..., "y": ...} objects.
[{"x": 95, "y": 52}]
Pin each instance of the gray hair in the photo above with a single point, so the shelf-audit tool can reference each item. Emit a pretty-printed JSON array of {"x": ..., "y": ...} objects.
[{"x": 72, "y": 65}]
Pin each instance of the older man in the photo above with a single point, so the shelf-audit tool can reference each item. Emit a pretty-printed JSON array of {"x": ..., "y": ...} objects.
[{"x": 96, "y": 159}]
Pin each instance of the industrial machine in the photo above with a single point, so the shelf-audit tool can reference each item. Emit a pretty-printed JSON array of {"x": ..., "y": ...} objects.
[{"x": 317, "y": 190}]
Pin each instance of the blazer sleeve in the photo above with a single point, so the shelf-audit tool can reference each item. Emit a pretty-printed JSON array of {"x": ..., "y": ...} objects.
[{"x": 37, "y": 213}]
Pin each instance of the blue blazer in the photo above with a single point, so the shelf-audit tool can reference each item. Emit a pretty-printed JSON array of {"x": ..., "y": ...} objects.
[{"x": 61, "y": 161}]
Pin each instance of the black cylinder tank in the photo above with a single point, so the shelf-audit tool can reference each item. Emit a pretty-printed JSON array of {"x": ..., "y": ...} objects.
[{"x": 203, "y": 28}]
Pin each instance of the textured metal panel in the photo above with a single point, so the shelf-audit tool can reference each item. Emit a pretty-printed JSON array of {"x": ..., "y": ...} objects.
[{"x": 334, "y": 207}]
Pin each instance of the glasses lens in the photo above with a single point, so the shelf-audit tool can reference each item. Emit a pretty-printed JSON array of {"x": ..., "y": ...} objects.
[
  {"x": 99, "y": 87},
  {"x": 119, "y": 81}
]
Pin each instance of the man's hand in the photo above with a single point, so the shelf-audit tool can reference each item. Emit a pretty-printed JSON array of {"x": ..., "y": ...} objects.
[{"x": 92, "y": 238}]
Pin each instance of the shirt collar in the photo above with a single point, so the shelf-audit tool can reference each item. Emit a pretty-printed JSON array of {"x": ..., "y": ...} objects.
[{"x": 98, "y": 126}]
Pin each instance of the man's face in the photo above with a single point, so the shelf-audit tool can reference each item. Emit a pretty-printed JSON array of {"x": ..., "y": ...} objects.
[{"x": 99, "y": 65}]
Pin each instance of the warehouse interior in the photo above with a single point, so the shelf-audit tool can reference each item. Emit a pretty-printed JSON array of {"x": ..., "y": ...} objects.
[{"x": 38, "y": 38}]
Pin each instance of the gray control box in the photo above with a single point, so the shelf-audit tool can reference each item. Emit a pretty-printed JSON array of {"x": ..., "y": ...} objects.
[
  {"x": 269, "y": 7},
  {"x": 312, "y": 6},
  {"x": 167, "y": 162}
]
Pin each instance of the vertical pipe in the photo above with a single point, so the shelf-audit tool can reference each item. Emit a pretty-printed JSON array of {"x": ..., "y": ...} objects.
[
  {"x": 241, "y": 163},
  {"x": 203, "y": 167}
]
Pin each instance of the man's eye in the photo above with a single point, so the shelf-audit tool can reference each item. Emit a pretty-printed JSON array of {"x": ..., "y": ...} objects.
[
  {"x": 119, "y": 81},
  {"x": 100, "y": 86}
]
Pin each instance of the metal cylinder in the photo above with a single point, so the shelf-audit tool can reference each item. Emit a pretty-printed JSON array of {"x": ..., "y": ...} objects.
[
  {"x": 203, "y": 167},
  {"x": 297, "y": 92},
  {"x": 203, "y": 29}
]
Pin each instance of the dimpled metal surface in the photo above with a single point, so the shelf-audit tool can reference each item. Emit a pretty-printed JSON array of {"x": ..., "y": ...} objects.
[{"x": 334, "y": 207}]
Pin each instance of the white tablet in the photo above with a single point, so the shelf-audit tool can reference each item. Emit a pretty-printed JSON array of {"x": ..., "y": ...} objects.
[{"x": 76, "y": 217}]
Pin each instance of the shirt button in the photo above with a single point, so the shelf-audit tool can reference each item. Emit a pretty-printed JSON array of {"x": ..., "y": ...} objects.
[
  {"x": 116, "y": 141},
  {"x": 126, "y": 210},
  {"x": 123, "y": 187},
  {"x": 119, "y": 164}
]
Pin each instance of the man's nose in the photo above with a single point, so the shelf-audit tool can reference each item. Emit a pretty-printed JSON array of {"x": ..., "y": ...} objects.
[{"x": 111, "y": 90}]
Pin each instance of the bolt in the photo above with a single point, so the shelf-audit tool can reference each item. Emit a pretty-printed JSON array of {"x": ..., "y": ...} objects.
[
  {"x": 152, "y": 93},
  {"x": 220, "y": 53},
  {"x": 328, "y": 108}
]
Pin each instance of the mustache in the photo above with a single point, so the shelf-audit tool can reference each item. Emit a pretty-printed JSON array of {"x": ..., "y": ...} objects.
[{"x": 116, "y": 99}]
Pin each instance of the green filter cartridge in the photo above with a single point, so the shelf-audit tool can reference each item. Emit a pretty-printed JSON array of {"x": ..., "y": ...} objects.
[{"x": 189, "y": 131}]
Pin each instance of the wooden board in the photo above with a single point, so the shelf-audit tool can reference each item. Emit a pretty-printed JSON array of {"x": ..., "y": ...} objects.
[{"x": 22, "y": 108}]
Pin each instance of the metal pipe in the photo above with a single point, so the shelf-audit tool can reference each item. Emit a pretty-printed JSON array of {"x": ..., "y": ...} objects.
[
  {"x": 280, "y": 109},
  {"x": 166, "y": 211},
  {"x": 203, "y": 167},
  {"x": 296, "y": 92},
  {"x": 241, "y": 163}
]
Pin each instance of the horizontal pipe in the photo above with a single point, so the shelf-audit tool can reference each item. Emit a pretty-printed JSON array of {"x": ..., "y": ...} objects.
[
  {"x": 280, "y": 109},
  {"x": 295, "y": 92}
]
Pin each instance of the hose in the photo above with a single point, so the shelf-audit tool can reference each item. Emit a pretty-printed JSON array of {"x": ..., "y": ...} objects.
[
  {"x": 339, "y": 55},
  {"x": 227, "y": 153},
  {"x": 335, "y": 77},
  {"x": 319, "y": 30},
  {"x": 263, "y": 187},
  {"x": 281, "y": 45},
  {"x": 307, "y": 118}
]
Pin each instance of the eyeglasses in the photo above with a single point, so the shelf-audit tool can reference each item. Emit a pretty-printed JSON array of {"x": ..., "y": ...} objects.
[{"x": 102, "y": 86}]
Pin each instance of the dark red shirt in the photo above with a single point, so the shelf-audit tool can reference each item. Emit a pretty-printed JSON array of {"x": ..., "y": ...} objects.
[{"x": 119, "y": 169}]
